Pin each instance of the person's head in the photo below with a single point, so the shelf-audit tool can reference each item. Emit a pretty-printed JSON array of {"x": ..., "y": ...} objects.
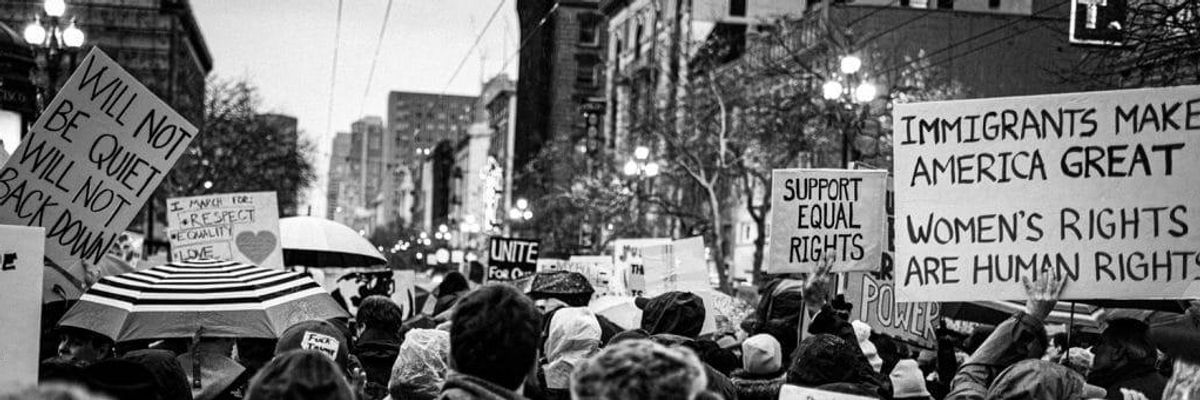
[
  {"x": 378, "y": 312},
  {"x": 908, "y": 382},
  {"x": 824, "y": 359},
  {"x": 300, "y": 375},
  {"x": 421, "y": 366},
  {"x": 762, "y": 355},
  {"x": 639, "y": 369},
  {"x": 321, "y": 336},
  {"x": 676, "y": 313},
  {"x": 121, "y": 380},
  {"x": 452, "y": 282},
  {"x": 1034, "y": 379},
  {"x": 494, "y": 335},
  {"x": 1124, "y": 342},
  {"x": 83, "y": 346},
  {"x": 54, "y": 391},
  {"x": 170, "y": 382},
  {"x": 1057, "y": 347}
]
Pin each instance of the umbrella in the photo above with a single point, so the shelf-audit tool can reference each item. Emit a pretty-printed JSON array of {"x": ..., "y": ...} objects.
[
  {"x": 571, "y": 287},
  {"x": 1087, "y": 316},
  {"x": 318, "y": 242},
  {"x": 226, "y": 299}
]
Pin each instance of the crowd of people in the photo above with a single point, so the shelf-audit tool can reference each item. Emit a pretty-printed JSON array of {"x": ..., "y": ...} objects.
[{"x": 495, "y": 342}]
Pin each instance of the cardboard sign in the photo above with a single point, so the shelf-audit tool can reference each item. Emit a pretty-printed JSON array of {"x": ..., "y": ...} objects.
[
  {"x": 350, "y": 286},
  {"x": 875, "y": 303},
  {"x": 1099, "y": 187},
  {"x": 21, "y": 251},
  {"x": 598, "y": 270},
  {"x": 88, "y": 164},
  {"x": 629, "y": 266},
  {"x": 819, "y": 213},
  {"x": 241, "y": 227},
  {"x": 510, "y": 259},
  {"x": 680, "y": 265},
  {"x": 793, "y": 392}
]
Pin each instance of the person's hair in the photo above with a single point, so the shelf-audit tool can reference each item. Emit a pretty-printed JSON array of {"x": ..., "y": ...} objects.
[
  {"x": 1060, "y": 340},
  {"x": 494, "y": 335},
  {"x": 380, "y": 312},
  {"x": 299, "y": 375},
  {"x": 91, "y": 338},
  {"x": 453, "y": 282},
  {"x": 1130, "y": 335},
  {"x": 639, "y": 369}
]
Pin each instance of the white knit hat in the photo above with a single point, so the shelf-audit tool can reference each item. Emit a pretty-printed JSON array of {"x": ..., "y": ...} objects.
[
  {"x": 907, "y": 381},
  {"x": 762, "y": 355}
]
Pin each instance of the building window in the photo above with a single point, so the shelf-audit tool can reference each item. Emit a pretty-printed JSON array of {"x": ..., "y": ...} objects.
[
  {"x": 589, "y": 30},
  {"x": 585, "y": 74},
  {"x": 737, "y": 8},
  {"x": 945, "y": 4},
  {"x": 993, "y": 4}
]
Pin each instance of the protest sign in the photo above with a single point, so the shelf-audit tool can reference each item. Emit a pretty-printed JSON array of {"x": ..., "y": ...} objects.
[
  {"x": 875, "y": 303},
  {"x": 1097, "y": 187},
  {"x": 793, "y": 392},
  {"x": 598, "y": 270},
  {"x": 241, "y": 227},
  {"x": 21, "y": 251},
  {"x": 628, "y": 264},
  {"x": 818, "y": 213},
  {"x": 88, "y": 164},
  {"x": 510, "y": 259},
  {"x": 350, "y": 286},
  {"x": 679, "y": 265}
]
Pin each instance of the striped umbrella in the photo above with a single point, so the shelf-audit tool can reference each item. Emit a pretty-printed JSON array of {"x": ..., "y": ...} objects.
[{"x": 226, "y": 299}]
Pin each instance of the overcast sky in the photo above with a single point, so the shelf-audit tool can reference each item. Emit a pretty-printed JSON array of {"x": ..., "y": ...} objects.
[{"x": 286, "y": 48}]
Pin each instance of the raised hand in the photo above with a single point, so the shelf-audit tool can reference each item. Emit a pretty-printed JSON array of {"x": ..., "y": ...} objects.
[
  {"x": 1042, "y": 293},
  {"x": 816, "y": 287}
]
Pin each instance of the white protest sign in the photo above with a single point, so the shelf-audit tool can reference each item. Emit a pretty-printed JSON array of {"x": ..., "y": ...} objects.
[
  {"x": 818, "y": 213},
  {"x": 875, "y": 303},
  {"x": 21, "y": 251},
  {"x": 1099, "y": 187},
  {"x": 88, "y": 164},
  {"x": 241, "y": 227},
  {"x": 350, "y": 286},
  {"x": 628, "y": 267},
  {"x": 680, "y": 265},
  {"x": 598, "y": 270},
  {"x": 793, "y": 392}
]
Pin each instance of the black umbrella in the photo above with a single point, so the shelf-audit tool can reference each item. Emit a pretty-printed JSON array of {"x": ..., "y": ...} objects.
[{"x": 568, "y": 286}]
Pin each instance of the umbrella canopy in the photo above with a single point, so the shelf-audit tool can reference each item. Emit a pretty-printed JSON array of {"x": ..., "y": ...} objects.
[
  {"x": 226, "y": 299},
  {"x": 1087, "y": 316},
  {"x": 571, "y": 287},
  {"x": 318, "y": 242}
]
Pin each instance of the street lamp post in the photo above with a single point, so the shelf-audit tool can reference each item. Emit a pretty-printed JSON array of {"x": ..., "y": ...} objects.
[
  {"x": 51, "y": 36},
  {"x": 855, "y": 92},
  {"x": 521, "y": 213},
  {"x": 640, "y": 167}
]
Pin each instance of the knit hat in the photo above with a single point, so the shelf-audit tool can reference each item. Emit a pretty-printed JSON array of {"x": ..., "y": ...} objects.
[
  {"x": 762, "y": 355},
  {"x": 907, "y": 382},
  {"x": 862, "y": 331},
  {"x": 677, "y": 313},
  {"x": 120, "y": 379},
  {"x": 316, "y": 335}
]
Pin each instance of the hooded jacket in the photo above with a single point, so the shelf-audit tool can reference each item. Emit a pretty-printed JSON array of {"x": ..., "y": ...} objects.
[
  {"x": 465, "y": 387},
  {"x": 1035, "y": 379},
  {"x": 676, "y": 313},
  {"x": 171, "y": 382},
  {"x": 421, "y": 365},
  {"x": 1018, "y": 338},
  {"x": 826, "y": 359},
  {"x": 574, "y": 335}
]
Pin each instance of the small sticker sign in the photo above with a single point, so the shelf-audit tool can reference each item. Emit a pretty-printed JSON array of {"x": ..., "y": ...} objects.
[{"x": 319, "y": 342}]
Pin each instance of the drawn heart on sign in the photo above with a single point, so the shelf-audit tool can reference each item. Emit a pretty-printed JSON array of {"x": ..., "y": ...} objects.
[{"x": 256, "y": 246}]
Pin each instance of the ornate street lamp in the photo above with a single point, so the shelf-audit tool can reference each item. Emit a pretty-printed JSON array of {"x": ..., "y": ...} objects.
[
  {"x": 863, "y": 92},
  {"x": 51, "y": 35}
]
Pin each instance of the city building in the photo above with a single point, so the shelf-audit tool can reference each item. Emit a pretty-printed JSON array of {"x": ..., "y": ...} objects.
[
  {"x": 478, "y": 177},
  {"x": 416, "y": 122},
  {"x": 356, "y": 180},
  {"x": 339, "y": 174},
  {"x": 18, "y": 95},
  {"x": 432, "y": 197},
  {"x": 561, "y": 65},
  {"x": 497, "y": 178}
]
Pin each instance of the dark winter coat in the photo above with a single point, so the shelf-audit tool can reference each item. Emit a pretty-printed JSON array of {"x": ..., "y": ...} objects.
[
  {"x": 756, "y": 387},
  {"x": 465, "y": 387},
  {"x": 1143, "y": 378}
]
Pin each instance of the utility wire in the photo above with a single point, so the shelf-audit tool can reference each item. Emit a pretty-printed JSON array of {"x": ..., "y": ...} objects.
[
  {"x": 375, "y": 58},
  {"x": 533, "y": 32},
  {"x": 337, "y": 34},
  {"x": 478, "y": 38}
]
